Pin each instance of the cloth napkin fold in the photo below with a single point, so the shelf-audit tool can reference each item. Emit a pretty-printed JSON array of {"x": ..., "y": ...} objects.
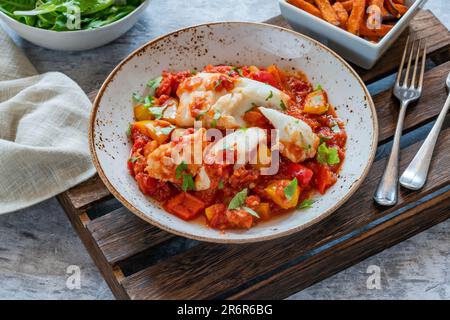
[{"x": 43, "y": 131}]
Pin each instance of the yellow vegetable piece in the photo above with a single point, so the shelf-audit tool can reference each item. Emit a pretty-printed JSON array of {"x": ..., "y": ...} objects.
[
  {"x": 264, "y": 157},
  {"x": 263, "y": 210},
  {"x": 154, "y": 129},
  {"x": 142, "y": 113},
  {"x": 316, "y": 102},
  {"x": 211, "y": 211},
  {"x": 253, "y": 69},
  {"x": 275, "y": 191}
]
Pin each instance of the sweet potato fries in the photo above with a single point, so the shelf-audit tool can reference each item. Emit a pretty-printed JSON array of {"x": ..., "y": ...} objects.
[{"x": 369, "y": 19}]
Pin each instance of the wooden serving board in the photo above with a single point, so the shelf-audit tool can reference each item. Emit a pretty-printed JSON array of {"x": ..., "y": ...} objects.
[{"x": 140, "y": 261}]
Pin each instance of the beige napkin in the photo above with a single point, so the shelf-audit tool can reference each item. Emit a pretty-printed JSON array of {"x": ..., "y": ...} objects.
[{"x": 43, "y": 131}]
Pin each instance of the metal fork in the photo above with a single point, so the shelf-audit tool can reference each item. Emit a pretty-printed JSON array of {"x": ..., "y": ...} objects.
[{"x": 406, "y": 90}]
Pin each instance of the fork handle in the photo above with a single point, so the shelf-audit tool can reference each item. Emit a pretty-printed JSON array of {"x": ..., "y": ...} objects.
[
  {"x": 416, "y": 174},
  {"x": 387, "y": 190}
]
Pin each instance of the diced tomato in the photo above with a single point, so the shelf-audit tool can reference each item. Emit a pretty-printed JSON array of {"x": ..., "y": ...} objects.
[
  {"x": 216, "y": 209},
  {"x": 139, "y": 165},
  {"x": 239, "y": 219},
  {"x": 170, "y": 82},
  {"x": 302, "y": 173},
  {"x": 146, "y": 183},
  {"x": 159, "y": 190},
  {"x": 185, "y": 206},
  {"x": 324, "y": 179},
  {"x": 266, "y": 77},
  {"x": 299, "y": 88}
]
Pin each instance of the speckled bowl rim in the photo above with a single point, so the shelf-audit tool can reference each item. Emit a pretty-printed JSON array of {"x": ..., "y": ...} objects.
[{"x": 293, "y": 230}]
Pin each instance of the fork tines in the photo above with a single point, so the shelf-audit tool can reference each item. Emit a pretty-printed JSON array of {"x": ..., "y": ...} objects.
[{"x": 410, "y": 80}]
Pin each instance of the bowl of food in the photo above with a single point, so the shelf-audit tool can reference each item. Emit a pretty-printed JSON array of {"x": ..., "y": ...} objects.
[
  {"x": 359, "y": 30},
  {"x": 71, "y": 25},
  {"x": 233, "y": 132}
]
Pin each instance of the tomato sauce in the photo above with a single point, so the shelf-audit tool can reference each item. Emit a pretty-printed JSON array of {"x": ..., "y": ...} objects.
[{"x": 265, "y": 195}]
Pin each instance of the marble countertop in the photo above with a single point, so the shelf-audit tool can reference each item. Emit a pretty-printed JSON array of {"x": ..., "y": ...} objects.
[{"x": 38, "y": 244}]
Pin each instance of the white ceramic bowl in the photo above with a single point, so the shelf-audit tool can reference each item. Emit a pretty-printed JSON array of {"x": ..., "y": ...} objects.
[
  {"x": 75, "y": 40},
  {"x": 353, "y": 48},
  {"x": 236, "y": 43}
]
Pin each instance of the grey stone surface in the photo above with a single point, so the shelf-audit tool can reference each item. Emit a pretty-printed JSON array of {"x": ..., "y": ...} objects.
[{"x": 38, "y": 244}]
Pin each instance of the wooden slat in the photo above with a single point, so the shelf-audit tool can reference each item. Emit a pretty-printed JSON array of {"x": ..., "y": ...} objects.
[
  {"x": 87, "y": 193},
  {"x": 121, "y": 234},
  {"x": 211, "y": 270},
  {"x": 429, "y": 105},
  {"x": 346, "y": 254},
  {"x": 424, "y": 26},
  {"x": 109, "y": 273}
]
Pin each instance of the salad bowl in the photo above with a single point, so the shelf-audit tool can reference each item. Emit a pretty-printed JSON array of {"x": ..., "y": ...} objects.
[{"x": 76, "y": 40}]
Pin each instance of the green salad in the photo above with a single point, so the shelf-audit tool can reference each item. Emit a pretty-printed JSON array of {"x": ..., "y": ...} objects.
[{"x": 67, "y": 15}]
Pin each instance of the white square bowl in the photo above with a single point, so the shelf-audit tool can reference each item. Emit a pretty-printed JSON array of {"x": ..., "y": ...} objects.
[{"x": 351, "y": 47}]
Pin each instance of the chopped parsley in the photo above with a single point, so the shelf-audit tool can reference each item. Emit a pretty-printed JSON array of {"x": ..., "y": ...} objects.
[
  {"x": 154, "y": 84},
  {"x": 231, "y": 71},
  {"x": 157, "y": 112},
  {"x": 220, "y": 184},
  {"x": 336, "y": 129},
  {"x": 128, "y": 132},
  {"x": 218, "y": 83},
  {"x": 188, "y": 182},
  {"x": 282, "y": 105},
  {"x": 166, "y": 130},
  {"x": 136, "y": 97},
  {"x": 327, "y": 155},
  {"x": 148, "y": 101},
  {"x": 238, "y": 200},
  {"x": 239, "y": 71},
  {"x": 251, "y": 211},
  {"x": 319, "y": 87},
  {"x": 270, "y": 96},
  {"x": 307, "y": 203},
  {"x": 290, "y": 189},
  {"x": 216, "y": 117},
  {"x": 180, "y": 168},
  {"x": 134, "y": 159}
]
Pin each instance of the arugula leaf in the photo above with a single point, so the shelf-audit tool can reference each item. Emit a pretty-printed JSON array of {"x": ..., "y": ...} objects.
[
  {"x": 270, "y": 96},
  {"x": 188, "y": 182},
  {"x": 180, "y": 168},
  {"x": 307, "y": 203},
  {"x": 238, "y": 200},
  {"x": 251, "y": 211},
  {"x": 327, "y": 155},
  {"x": 290, "y": 189}
]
